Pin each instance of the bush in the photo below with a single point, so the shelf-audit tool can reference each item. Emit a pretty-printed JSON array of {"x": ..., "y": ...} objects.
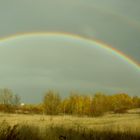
[{"x": 28, "y": 132}]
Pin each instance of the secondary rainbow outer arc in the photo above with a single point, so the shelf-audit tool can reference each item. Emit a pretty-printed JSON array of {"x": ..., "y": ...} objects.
[{"x": 82, "y": 38}]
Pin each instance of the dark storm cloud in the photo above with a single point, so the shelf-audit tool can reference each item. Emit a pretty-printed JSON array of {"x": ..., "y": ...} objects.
[
  {"x": 116, "y": 22},
  {"x": 43, "y": 62}
]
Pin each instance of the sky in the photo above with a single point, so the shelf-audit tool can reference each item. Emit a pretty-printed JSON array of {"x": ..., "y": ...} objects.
[{"x": 116, "y": 23}]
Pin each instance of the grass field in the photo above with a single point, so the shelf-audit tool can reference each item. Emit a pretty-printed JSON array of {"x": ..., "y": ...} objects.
[{"x": 109, "y": 126}]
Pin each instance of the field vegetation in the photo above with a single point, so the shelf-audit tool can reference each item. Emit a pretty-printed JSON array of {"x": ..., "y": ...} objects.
[
  {"x": 77, "y": 117},
  {"x": 59, "y": 127},
  {"x": 75, "y": 104}
]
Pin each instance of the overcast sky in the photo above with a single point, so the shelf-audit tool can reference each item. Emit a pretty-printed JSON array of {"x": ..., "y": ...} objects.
[{"x": 115, "y": 22}]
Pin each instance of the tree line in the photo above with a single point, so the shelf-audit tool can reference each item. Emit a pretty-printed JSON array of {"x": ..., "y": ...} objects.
[
  {"x": 75, "y": 104},
  {"x": 97, "y": 104}
]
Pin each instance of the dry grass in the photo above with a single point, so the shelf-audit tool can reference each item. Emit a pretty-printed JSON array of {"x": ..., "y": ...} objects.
[
  {"x": 115, "y": 126},
  {"x": 117, "y": 122}
]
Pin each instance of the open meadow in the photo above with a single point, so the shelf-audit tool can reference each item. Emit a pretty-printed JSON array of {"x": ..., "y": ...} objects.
[
  {"x": 120, "y": 122},
  {"x": 109, "y": 126}
]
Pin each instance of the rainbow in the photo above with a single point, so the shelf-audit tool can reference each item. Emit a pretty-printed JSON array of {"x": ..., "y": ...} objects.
[{"x": 81, "y": 38}]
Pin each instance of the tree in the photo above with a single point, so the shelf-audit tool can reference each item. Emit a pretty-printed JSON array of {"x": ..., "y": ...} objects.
[
  {"x": 16, "y": 100},
  {"x": 52, "y": 102},
  {"x": 99, "y": 104},
  {"x": 121, "y": 103},
  {"x": 136, "y": 102},
  {"x": 8, "y": 100},
  {"x": 72, "y": 106},
  {"x": 87, "y": 105},
  {"x": 6, "y": 96}
]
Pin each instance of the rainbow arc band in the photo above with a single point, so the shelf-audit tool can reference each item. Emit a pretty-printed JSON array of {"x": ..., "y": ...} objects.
[{"x": 80, "y": 38}]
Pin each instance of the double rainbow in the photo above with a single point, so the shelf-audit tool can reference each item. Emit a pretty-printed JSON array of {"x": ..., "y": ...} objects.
[{"x": 80, "y": 38}]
